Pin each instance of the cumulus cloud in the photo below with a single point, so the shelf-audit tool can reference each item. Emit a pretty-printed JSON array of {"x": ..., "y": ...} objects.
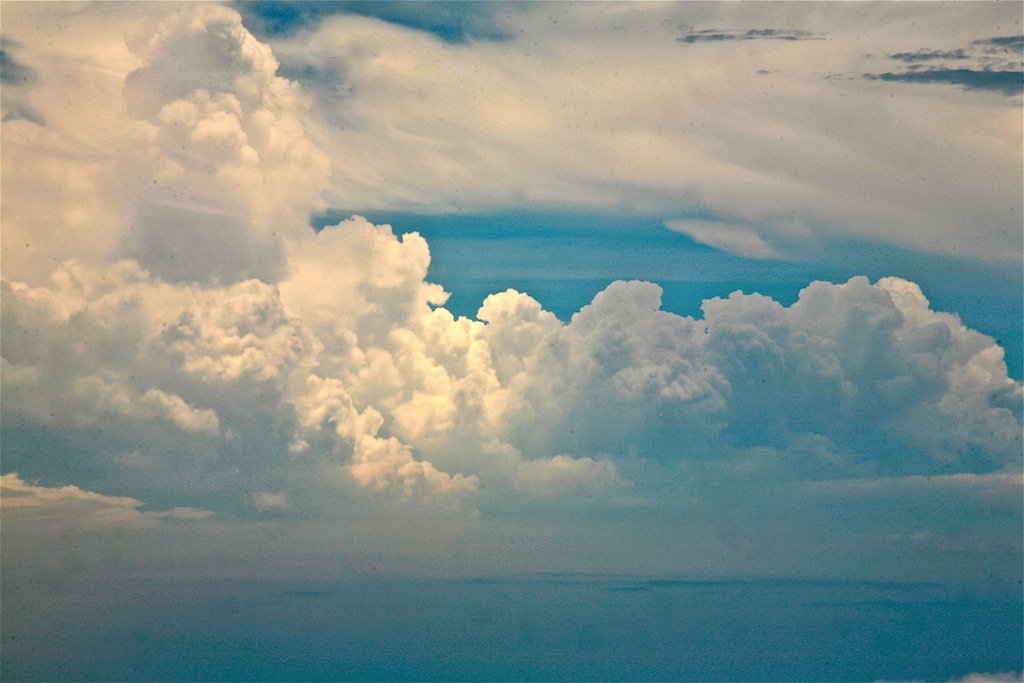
[
  {"x": 368, "y": 380},
  {"x": 207, "y": 345},
  {"x": 184, "y": 150}
]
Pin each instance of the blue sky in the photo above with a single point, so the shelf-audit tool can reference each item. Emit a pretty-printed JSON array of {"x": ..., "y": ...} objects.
[{"x": 706, "y": 291}]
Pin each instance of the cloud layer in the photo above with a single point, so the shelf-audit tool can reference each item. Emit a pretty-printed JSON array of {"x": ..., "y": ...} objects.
[
  {"x": 757, "y": 117},
  {"x": 171, "y": 324}
]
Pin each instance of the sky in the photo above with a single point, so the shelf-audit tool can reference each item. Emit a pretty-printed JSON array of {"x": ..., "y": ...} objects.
[{"x": 697, "y": 290}]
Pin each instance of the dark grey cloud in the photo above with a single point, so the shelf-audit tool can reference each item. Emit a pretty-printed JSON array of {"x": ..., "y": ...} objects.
[
  {"x": 18, "y": 109},
  {"x": 1002, "y": 52},
  {"x": 717, "y": 35},
  {"x": 930, "y": 55},
  {"x": 11, "y": 70},
  {"x": 994, "y": 64},
  {"x": 1008, "y": 42},
  {"x": 16, "y": 79},
  {"x": 1006, "y": 82}
]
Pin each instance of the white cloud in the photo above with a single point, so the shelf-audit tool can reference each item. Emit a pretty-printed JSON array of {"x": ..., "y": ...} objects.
[
  {"x": 381, "y": 463},
  {"x": 279, "y": 367},
  {"x": 609, "y": 110},
  {"x": 358, "y": 278},
  {"x": 1002, "y": 677},
  {"x": 70, "y": 506},
  {"x": 978, "y": 677},
  {"x": 269, "y": 500},
  {"x": 184, "y": 150},
  {"x": 546, "y": 477},
  {"x": 735, "y": 239},
  {"x": 363, "y": 379}
]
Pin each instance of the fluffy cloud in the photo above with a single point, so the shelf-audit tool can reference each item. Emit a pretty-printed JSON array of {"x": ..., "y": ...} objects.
[
  {"x": 871, "y": 368},
  {"x": 206, "y": 345},
  {"x": 365, "y": 379},
  {"x": 184, "y": 150}
]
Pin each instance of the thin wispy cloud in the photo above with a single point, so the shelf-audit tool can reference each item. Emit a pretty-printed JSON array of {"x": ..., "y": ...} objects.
[
  {"x": 996, "y": 64},
  {"x": 1006, "y": 82},
  {"x": 930, "y": 55},
  {"x": 710, "y": 35}
]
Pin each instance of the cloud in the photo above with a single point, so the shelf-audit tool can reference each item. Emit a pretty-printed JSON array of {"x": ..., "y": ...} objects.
[
  {"x": 1006, "y": 82},
  {"x": 14, "y": 72},
  {"x": 172, "y": 325},
  {"x": 366, "y": 380},
  {"x": 623, "y": 122},
  {"x": 986, "y": 486},
  {"x": 1001, "y": 51},
  {"x": 734, "y": 239},
  {"x": 185, "y": 151},
  {"x": 1008, "y": 44},
  {"x": 865, "y": 355},
  {"x": 929, "y": 55},
  {"x": 709, "y": 35},
  {"x": 16, "y": 78},
  {"x": 993, "y": 64},
  {"x": 70, "y": 506},
  {"x": 1001, "y": 677},
  {"x": 268, "y": 500},
  {"x": 545, "y": 477}
]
